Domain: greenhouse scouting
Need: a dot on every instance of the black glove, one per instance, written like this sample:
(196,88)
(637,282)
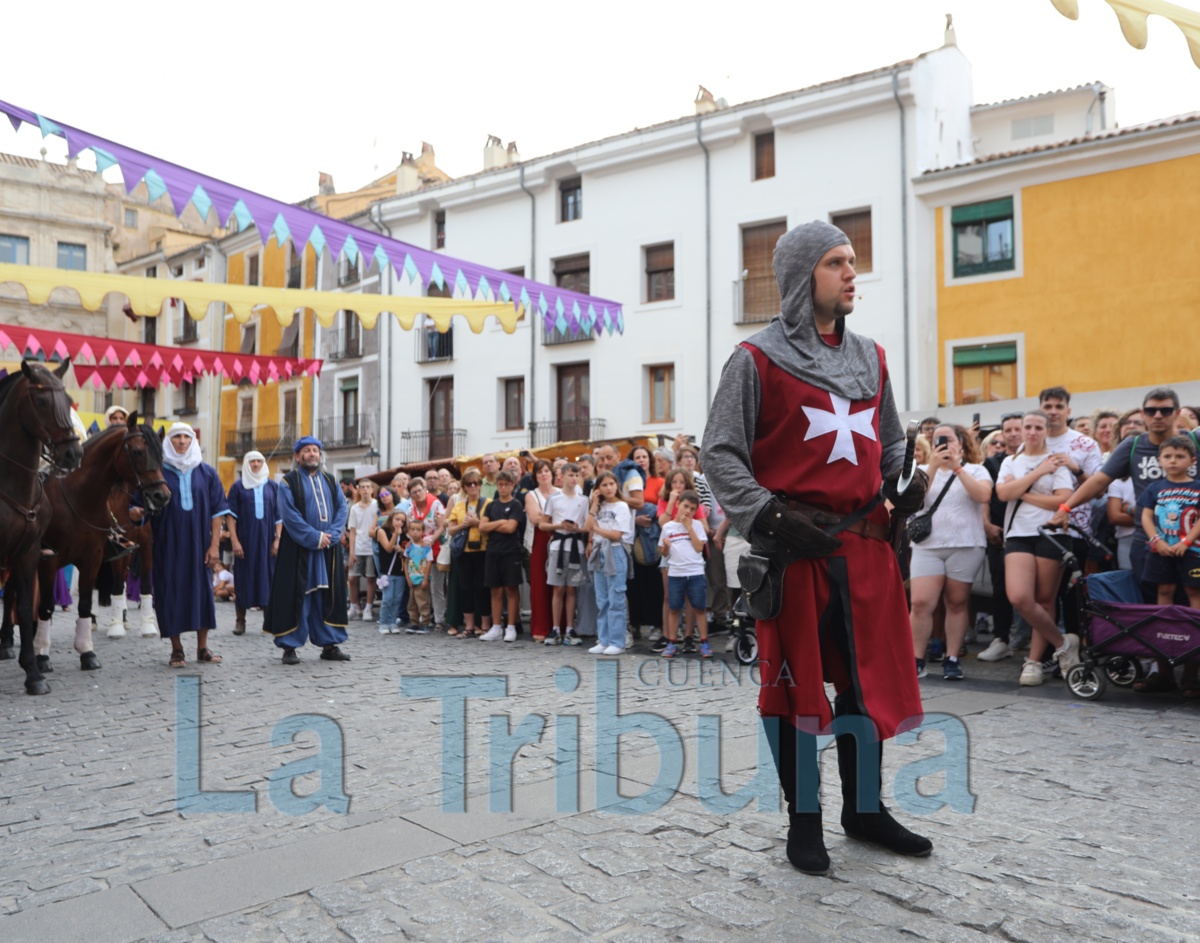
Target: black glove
(914,496)
(799,530)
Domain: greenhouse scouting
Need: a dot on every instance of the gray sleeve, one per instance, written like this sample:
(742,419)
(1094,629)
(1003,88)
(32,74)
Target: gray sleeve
(891,433)
(1117,465)
(728,440)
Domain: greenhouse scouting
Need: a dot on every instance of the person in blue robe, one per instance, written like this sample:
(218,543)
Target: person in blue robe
(187,536)
(254,528)
(308,595)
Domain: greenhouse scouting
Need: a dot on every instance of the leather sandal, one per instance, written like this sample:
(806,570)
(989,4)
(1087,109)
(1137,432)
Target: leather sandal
(204,654)
(178,659)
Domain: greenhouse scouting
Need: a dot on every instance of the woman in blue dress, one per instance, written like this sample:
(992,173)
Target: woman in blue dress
(187,537)
(254,526)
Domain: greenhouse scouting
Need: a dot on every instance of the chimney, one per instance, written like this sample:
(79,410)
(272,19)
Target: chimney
(514,156)
(493,153)
(705,103)
(951,39)
(408,178)
(325,185)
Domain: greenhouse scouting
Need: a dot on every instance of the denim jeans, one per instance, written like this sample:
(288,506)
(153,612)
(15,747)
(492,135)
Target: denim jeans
(610,601)
(391,600)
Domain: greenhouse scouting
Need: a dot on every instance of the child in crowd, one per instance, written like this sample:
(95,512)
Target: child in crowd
(504,523)
(390,536)
(566,514)
(418,564)
(1171,519)
(611,526)
(360,526)
(683,546)
(222,582)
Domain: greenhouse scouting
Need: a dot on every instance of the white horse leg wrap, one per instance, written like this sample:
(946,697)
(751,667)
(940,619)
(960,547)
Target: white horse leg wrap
(83,635)
(41,641)
(149,622)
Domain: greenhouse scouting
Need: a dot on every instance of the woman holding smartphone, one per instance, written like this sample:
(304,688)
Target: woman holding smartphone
(945,564)
(1035,483)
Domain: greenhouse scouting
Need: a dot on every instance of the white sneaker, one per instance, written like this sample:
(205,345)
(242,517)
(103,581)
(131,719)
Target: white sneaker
(597,649)
(613,650)
(997,650)
(1031,674)
(1068,655)
(354,613)
(510,633)
(385,630)
(494,634)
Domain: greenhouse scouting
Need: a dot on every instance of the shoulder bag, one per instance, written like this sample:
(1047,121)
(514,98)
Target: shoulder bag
(920,526)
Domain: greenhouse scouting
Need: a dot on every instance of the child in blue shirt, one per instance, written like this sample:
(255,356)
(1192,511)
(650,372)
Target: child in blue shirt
(418,561)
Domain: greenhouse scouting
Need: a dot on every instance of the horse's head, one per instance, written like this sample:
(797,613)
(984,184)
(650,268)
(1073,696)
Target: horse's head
(143,464)
(48,417)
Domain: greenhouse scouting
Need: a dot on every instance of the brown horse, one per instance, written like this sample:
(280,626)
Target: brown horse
(120,459)
(35,412)
(113,578)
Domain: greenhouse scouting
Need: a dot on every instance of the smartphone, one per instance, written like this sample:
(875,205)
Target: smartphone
(975,421)
(692,439)
(941,441)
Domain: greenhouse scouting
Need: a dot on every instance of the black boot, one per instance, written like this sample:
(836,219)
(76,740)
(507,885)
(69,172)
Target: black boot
(333,653)
(290,657)
(868,819)
(806,839)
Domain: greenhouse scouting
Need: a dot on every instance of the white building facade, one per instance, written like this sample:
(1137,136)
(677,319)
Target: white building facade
(677,222)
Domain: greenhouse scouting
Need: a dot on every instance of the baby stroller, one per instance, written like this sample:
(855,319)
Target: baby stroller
(745,647)
(1120,629)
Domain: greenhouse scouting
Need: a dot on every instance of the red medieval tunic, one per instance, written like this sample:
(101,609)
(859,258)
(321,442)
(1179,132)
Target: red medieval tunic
(822,449)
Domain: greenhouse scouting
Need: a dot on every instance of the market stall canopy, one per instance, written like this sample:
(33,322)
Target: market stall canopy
(564,310)
(105,363)
(146,297)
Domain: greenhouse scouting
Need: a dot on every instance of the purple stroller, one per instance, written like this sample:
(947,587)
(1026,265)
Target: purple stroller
(1121,629)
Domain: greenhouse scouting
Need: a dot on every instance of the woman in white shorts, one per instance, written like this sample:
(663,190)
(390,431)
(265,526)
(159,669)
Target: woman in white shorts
(945,564)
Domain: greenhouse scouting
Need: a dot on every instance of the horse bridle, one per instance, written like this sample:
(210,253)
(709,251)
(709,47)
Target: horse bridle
(51,444)
(116,532)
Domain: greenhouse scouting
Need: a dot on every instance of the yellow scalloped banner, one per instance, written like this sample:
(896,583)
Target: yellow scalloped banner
(146,297)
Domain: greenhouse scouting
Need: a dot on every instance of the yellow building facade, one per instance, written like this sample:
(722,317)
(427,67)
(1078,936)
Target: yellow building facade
(1072,265)
(267,417)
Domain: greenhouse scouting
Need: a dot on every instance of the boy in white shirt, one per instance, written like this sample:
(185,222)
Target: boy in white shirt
(566,515)
(360,526)
(683,546)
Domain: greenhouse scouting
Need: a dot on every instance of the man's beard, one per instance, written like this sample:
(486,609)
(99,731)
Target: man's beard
(310,464)
(843,308)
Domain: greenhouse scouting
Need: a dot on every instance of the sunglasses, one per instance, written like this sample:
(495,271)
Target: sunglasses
(1158,410)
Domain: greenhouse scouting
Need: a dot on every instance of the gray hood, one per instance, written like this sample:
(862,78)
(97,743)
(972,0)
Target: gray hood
(791,340)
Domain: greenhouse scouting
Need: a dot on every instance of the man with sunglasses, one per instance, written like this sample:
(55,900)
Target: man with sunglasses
(1135,457)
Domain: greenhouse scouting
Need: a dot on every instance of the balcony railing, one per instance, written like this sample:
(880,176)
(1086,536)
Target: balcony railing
(564,430)
(346,432)
(422,445)
(433,345)
(755,299)
(270,440)
(343,344)
(556,337)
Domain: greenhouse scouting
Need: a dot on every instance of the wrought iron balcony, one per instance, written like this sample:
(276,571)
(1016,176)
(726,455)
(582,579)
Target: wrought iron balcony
(343,344)
(564,430)
(556,337)
(755,299)
(422,445)
(433,346)
(346,432)
(270,440)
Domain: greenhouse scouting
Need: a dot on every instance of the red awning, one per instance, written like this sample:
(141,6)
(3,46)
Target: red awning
(105,363)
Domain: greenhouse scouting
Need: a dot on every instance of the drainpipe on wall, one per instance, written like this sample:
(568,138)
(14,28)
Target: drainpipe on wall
(707,276)
(385,414)
(904,233)
(529,314)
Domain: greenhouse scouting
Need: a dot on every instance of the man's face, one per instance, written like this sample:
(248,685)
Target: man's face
(256,465)
(503,489)
(1084,426)
(688,461)
(1012,434)
(1134,425)
(570,478)
(416,490)
(431,481)
(118,419)
(927,429)
(1175,461)
(833,282)
(490,465)
(1160,415)
(512,464)
(309,457)
(180,442)
(1057,411)
(606,458)
(366,491)
(444,478)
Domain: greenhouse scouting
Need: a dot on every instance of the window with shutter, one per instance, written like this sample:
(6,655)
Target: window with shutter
(573,273)
(759,293)
(857,227)
(571,198)
(660,272)
(764,155)
(983,238)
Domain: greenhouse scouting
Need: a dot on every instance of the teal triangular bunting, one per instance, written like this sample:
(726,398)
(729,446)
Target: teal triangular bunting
(154,185)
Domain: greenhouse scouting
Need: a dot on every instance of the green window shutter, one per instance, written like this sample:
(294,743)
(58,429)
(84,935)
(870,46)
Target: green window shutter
(977,212)
(352,384)
(985,353)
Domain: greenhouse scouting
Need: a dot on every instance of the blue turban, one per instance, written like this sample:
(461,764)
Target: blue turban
(307,440)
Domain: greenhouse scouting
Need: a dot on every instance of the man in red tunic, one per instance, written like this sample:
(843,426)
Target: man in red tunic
(802,433)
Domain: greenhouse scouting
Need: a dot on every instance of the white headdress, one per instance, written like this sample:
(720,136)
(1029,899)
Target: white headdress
(250,479)
(189,459)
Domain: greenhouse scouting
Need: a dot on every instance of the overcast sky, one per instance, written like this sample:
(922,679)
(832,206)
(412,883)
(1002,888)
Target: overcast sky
(267,95)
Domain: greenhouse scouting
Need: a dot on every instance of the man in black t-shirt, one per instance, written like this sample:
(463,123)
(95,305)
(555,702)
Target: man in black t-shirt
(993,523)
(504,523)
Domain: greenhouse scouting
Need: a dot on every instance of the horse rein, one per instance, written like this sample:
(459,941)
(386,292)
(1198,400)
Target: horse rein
(116,532)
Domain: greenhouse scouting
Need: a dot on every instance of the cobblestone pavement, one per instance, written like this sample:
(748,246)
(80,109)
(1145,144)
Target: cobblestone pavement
(1084,825)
